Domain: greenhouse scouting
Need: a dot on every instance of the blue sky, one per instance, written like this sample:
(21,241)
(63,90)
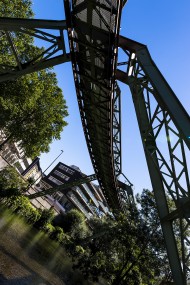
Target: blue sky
(164,27)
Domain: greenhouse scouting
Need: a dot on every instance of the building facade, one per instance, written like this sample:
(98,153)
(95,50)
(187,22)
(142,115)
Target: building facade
(87,197)
(33,171)
(14,154)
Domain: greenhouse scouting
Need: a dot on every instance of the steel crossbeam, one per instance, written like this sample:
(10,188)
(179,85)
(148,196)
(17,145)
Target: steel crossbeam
(24,62)
(164,127)
(63,187)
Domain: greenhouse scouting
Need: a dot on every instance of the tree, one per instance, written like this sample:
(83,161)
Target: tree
(149,213)
(73,223)
(32,108)
(46,217)
(121,255)
(127,249)
(32,111)
(22,42)
(11,183)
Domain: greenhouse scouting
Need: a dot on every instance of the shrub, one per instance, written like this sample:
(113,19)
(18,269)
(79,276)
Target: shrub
(18,203)
(57,234)
(45,218)
(73,223)
(66,240)
(34,216)
(49,229)
(69,220)
(21,204)
(10,179)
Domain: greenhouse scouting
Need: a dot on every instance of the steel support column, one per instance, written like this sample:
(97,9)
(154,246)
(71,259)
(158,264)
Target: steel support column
(164,127)
(156,179)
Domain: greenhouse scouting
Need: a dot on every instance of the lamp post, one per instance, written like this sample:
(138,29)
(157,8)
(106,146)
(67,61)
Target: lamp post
(46,169)
(52,162)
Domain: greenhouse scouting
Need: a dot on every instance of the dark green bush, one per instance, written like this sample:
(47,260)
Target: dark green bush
(33,216)
(10,179)
(73,223)
(45,218)
(49,229)
(21,205)
(57,234)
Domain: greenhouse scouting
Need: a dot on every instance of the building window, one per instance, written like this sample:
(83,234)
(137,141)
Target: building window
(66,169)
(57,196)
(44,185)
(90,194)
(56,181)
(81,193)
(61,175)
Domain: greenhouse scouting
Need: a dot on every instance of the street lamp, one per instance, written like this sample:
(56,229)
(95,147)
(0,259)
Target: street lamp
(52,162)
(46,169)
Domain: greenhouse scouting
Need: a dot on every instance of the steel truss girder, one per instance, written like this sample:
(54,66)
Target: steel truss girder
(53,55)
(93,44)
(63,187)
(161,116)
(117,130)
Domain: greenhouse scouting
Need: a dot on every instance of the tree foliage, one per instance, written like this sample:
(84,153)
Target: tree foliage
(22,42)
(11,182)
(127,249)
(149,214)
(32,111)
(74,224)
(32,108)
(46,217)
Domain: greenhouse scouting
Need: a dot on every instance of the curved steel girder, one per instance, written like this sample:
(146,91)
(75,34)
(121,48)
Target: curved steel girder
(93,35)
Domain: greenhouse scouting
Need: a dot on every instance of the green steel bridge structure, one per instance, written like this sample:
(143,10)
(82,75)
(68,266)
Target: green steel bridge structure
(93,34)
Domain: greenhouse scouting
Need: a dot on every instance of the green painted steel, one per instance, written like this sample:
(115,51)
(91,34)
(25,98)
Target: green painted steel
(163,92)
(161,115)
(93,28)
(16,24)
(93,33)
(34,27)
(63,187)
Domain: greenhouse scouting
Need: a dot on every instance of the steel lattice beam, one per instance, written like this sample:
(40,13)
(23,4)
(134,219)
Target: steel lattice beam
(22,64)
(164,127)
(93,29)
(117,131)
(63,187)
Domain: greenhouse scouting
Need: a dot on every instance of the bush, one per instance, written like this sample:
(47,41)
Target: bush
(73,223)
(21,205)
(69,220)
(45,218)
(59,235)
(10,179)
(49,229)
(33,216)
(17,203)
(66,240)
